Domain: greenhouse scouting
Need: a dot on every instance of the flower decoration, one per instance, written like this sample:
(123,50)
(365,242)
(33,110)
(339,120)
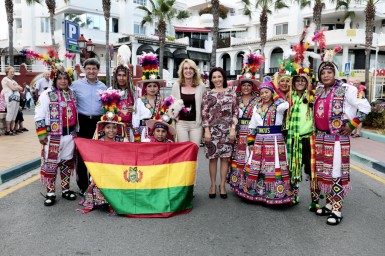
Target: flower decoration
(171,110)
(150,65)
(51,58)
(110,100)
(251,63)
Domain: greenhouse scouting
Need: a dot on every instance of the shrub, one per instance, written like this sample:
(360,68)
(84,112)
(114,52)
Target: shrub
(376,118)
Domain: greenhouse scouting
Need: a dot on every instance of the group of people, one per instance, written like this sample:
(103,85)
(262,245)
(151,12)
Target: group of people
(262,132)
(13,98)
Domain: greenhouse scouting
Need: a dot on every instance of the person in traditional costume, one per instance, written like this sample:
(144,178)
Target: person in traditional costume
(284,83)
(150,103)
(265,178)
(337,112)
(247,97)
(300,136)
(123,82)
(56,126)
(110,128)
(219,119)
(160,130)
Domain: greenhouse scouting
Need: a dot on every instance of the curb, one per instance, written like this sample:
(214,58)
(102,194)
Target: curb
(372,136)
(15,171)
(373,163)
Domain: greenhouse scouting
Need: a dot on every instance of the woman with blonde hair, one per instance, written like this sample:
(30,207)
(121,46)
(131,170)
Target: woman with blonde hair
(11,91)
(190,89)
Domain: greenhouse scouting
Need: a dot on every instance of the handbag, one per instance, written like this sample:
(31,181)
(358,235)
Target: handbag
(14,97)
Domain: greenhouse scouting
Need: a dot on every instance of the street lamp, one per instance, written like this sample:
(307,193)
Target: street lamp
(86,46)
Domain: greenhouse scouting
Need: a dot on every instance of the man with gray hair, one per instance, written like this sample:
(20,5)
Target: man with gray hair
(42,84)
(89,109)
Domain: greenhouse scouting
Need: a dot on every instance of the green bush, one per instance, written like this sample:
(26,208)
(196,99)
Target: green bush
(376,118)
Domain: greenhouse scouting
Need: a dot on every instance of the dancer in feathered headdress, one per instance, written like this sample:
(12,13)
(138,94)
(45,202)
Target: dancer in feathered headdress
(123,82)
(247,92)
(147,106)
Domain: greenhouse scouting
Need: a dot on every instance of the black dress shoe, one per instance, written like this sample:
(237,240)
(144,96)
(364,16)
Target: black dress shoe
(223,196)
(213,195)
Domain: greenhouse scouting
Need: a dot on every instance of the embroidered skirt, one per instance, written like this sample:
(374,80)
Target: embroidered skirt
(265,177)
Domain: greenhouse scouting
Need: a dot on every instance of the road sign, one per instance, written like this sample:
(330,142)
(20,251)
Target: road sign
(72,33)
(347,69)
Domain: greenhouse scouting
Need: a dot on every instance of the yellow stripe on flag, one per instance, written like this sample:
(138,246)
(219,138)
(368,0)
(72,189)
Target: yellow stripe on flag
(112,176)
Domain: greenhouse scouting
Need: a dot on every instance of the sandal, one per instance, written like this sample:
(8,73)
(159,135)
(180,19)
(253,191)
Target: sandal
(333,219)
(24,129)
(10,133)
(323,211)
(50,200)
(356,135)
(68,194)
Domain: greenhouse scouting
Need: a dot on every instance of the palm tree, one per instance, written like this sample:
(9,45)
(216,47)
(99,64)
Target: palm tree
(265,6)
(9,11)
(107,14)
(215,11)
(51,5)
(370,14)
(163,11)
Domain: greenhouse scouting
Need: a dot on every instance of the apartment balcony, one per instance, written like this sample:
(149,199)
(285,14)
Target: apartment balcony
(224,42)
(197,43)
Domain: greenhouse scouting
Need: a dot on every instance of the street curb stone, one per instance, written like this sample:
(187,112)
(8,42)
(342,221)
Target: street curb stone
(373,163)
(18,170)
(373,136)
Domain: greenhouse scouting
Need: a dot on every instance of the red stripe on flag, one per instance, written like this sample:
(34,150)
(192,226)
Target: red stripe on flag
(136,154)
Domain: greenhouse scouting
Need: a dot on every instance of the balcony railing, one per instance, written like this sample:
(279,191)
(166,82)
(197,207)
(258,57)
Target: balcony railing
(197,43)
(223,42)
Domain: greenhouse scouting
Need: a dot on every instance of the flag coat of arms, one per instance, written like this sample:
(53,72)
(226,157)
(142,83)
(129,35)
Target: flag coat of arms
(142,179)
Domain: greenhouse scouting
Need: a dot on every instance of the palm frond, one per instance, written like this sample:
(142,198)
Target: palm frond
(183,15)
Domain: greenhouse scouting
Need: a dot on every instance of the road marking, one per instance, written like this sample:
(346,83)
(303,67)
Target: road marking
(373,176)
(18,186)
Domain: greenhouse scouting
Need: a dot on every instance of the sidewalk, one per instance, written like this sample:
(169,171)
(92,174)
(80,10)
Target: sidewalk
(369,149)
(21,153)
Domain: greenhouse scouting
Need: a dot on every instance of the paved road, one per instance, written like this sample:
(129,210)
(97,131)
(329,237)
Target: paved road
(214,227)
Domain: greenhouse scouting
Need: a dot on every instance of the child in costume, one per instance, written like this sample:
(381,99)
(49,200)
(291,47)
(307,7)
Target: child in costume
(147,106)
(110,129)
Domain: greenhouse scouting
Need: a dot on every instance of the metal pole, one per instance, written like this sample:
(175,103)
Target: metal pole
(374,73)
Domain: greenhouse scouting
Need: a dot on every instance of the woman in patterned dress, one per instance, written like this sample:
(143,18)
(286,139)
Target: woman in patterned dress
(247,97)
(219,119)
(266,178)
(146,107)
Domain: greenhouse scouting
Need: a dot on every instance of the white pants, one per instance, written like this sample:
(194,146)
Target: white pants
(12,109)
(337,161)
(189,131)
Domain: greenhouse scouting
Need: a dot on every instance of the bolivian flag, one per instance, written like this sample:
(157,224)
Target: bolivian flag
(142,179)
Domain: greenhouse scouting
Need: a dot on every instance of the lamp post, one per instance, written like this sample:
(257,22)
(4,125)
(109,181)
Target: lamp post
(86,46)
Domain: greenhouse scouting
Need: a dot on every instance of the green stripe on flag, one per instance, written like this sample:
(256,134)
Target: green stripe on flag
(149,201)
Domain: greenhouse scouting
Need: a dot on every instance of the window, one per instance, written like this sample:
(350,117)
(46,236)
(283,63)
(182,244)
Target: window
(114,25)
(281,29)
(141,2)
(18,25)
(44,25)
(139,30)
(197,40)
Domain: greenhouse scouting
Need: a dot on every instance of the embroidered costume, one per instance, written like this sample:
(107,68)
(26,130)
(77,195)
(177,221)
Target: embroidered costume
(245,111)
(56,120)
(265,177)
(93,197)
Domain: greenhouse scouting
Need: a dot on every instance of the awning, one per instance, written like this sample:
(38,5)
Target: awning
(144,48)
(232,29)
(189,29)
(166,53)
(180,54)
(199,56)
(5,51)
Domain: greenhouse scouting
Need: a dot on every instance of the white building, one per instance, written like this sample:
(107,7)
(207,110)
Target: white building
(238,33)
